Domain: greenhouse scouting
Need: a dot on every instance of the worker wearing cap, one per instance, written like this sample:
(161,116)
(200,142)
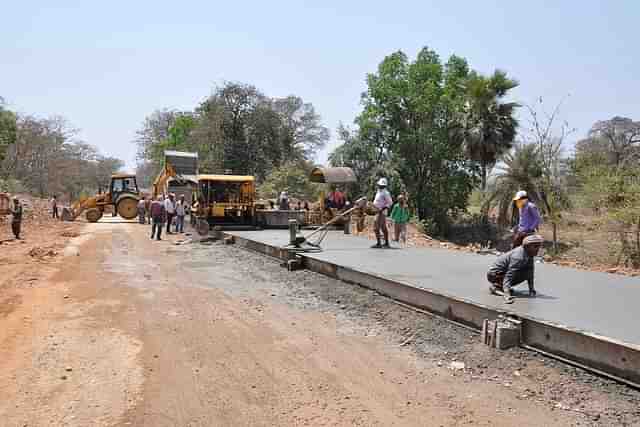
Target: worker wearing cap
(529,218)
(382,202)
(16,218)
(515,267)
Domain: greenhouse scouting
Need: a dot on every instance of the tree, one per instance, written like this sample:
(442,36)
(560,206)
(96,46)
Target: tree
(549,136)
(622,135)
(615,193)
(416,109)
(491,125)
(8,129)
(47,159)
(302,132)
(291,176)
(155,130)
(521,169)
(237,128)
(367,160)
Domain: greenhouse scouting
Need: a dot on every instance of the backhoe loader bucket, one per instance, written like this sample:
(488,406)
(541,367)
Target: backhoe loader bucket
(68,214)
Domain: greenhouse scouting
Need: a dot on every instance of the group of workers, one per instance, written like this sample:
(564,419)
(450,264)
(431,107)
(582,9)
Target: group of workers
(163,210)
(383,204)
(507,271)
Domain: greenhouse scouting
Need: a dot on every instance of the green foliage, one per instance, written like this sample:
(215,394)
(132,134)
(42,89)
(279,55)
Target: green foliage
(491,125)
(237,128)
(293,177)
(414,112)
(521,170)
(46,159)
(8,130)
(11,185)
(368,161)
(615,193)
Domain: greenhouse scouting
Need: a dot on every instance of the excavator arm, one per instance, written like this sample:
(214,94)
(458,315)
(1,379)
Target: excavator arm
(160,183)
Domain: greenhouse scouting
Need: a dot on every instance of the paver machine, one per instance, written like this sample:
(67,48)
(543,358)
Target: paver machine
(123,195)
(226,201)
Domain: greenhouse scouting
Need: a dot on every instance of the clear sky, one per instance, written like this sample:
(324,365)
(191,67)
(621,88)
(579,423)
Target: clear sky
(106,65)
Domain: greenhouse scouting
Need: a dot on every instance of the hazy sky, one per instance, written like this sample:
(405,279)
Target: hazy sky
(106,65)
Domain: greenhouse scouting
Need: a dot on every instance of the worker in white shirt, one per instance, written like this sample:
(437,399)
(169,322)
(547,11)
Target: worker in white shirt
(382,203)
(180,212)
(170,208)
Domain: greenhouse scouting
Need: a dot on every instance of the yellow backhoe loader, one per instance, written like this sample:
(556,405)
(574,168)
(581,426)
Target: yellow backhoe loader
(123,195)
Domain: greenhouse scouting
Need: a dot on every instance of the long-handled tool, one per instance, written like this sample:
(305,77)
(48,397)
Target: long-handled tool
(312,241)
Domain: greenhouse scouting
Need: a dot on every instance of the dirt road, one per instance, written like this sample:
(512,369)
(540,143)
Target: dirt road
(126,331)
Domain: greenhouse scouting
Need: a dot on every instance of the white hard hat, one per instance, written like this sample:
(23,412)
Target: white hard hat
(382,182)
(521,195)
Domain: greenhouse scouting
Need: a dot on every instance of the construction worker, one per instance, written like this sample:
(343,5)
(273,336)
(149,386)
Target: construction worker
(180,214)
(141,210)
(16,218)
(54,207)
(382,202)
(529,218)
(147,209)
(515,267)
(400,216)
(170,209)
(158,214)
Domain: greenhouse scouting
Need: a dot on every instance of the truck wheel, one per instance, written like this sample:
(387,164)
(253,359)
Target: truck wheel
(93,215)
(128,208)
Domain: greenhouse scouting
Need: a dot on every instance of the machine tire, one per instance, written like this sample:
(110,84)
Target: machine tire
(93,215)
(202,227)
(127,207)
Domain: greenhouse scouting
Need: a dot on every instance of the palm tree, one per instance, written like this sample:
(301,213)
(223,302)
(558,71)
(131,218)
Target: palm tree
(491,126)
(521,169)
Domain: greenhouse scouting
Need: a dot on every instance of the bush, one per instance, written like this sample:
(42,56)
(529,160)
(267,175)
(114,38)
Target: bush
(12,186)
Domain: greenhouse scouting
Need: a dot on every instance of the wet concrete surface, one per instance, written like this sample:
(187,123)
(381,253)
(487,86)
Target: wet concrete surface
(599,303)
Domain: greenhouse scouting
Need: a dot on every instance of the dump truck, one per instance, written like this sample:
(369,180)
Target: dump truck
(123,195)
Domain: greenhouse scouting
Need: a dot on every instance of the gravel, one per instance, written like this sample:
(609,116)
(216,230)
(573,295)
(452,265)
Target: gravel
(361,311)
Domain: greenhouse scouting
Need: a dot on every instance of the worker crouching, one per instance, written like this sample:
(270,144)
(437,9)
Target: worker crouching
(515,267)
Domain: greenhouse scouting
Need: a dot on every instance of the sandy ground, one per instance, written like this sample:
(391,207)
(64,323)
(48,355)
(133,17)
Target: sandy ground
(119,330)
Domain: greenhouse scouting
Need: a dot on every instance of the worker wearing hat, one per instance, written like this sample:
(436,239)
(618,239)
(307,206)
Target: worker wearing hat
(16,220)
(515,267)
(382,203)
(529,218)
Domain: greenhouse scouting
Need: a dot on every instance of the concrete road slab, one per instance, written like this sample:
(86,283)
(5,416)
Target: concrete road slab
(597,303)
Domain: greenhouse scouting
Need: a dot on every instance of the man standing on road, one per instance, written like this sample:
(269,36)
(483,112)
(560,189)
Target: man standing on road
(16,220)
(515,267)
(382,202)
(157,218)
(529,218)
(141,210)
(170,208)
(180,214)
(54,207)
(147,209)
